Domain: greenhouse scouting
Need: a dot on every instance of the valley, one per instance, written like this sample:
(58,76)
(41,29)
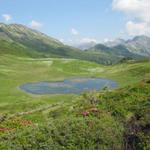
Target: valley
(15,71)
(23,112)
(100,119)
(75,75)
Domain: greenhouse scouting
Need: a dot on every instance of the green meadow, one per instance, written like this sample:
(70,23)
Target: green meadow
(15,71)
(107,111)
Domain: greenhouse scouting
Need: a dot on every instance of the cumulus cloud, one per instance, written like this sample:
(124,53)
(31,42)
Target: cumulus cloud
(138,11)
(35,24)
(107,40)
(137,8)
(88,40)
(7,17)
(85,43)
(82,42)
(74,31)
(134,29)
(62,40)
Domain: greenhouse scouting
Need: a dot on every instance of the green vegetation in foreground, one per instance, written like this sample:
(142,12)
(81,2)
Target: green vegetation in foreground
(35,122)
(118,119)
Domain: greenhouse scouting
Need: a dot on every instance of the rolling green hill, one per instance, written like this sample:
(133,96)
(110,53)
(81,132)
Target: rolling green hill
(36,122)
(109,119)
(15,71)
(20,40)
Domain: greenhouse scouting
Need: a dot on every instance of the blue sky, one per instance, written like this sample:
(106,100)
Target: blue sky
(72,21)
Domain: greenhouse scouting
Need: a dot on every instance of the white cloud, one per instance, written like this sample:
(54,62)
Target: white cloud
(139,9)
(7,17)
(74,31)
(134,28)
(80,41)
(62,40)
(107,40)
(139,13)
(35,24)
(88,40)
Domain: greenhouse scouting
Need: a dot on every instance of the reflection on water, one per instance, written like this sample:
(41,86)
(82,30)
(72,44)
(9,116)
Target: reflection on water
(72,85)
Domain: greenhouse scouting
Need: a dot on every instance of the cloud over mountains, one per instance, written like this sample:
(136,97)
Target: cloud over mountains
(138,14)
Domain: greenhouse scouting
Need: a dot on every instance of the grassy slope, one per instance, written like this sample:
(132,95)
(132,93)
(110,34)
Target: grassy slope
(15,71)
(115,118)
(18,49)
(114,54)
(60,115)
(22,41)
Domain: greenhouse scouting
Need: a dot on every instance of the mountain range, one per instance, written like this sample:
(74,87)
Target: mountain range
(20,40)
(138,45)
(136,48)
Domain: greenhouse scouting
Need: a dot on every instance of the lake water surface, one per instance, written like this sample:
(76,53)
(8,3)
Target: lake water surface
(71,85)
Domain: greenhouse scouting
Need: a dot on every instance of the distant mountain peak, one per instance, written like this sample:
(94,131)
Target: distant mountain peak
(141,37)
(16,38)
(115,42)
(23,41)
(23,30)
(2,25)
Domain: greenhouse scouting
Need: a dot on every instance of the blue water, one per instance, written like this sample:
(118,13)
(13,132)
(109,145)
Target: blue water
(72,85)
